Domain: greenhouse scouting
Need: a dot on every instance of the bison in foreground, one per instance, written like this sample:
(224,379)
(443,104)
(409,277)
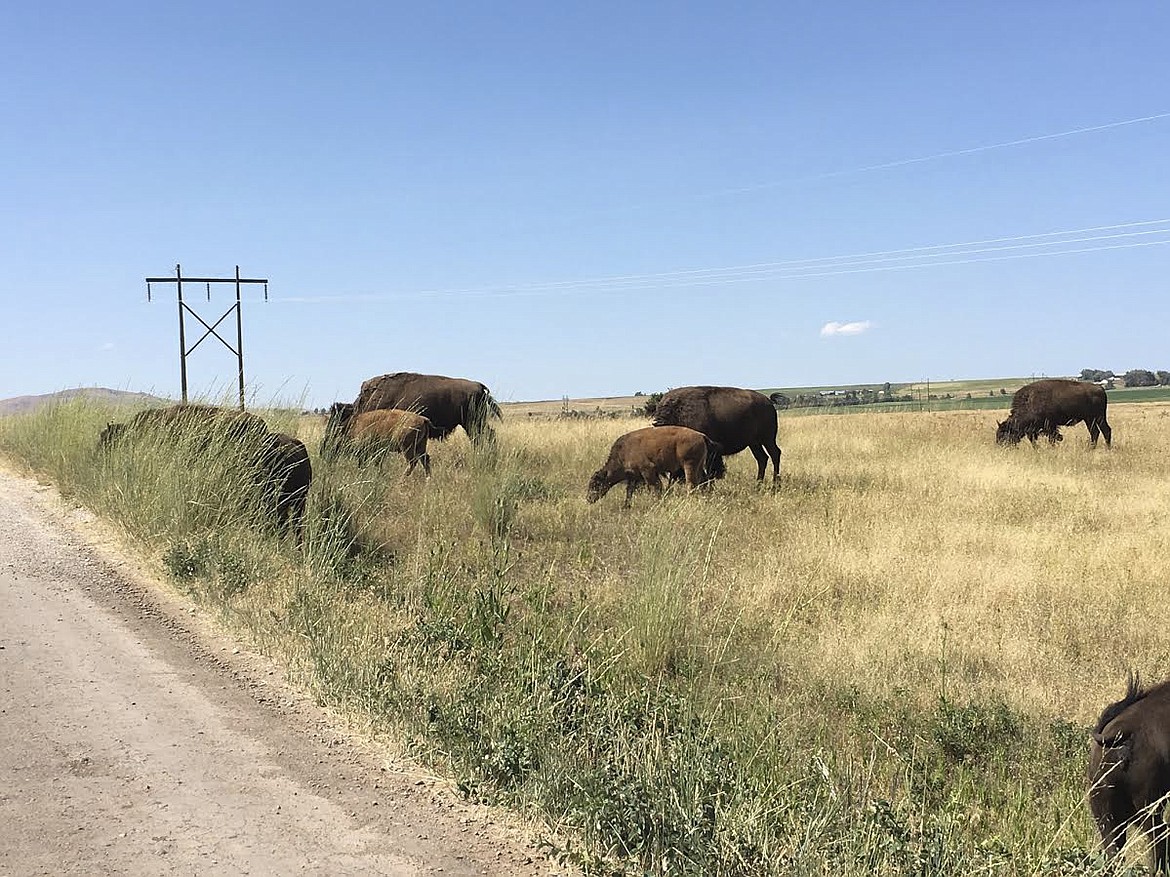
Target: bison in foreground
(284,475)
(732,417)
(196,422)
(1129,769)
(1045,406)
(274,464)
(446,402)
(645,455)
(375,433)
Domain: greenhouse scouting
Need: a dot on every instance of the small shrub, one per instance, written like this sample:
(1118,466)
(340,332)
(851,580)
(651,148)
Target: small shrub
(494,504)
(188,560)
(967,732)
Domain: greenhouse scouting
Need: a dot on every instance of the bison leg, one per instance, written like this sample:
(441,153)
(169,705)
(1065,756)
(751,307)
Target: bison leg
(1155,829)
(426,461)
(1113,813)
(773,450)
(692,474)
(654,481)
(1099,427)
(761,460)
(631,486)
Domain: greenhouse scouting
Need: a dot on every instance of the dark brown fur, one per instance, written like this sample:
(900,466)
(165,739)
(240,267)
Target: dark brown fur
(734,418)
(282,470)
(644,456)
(201,422)
(446,402)
(1045,406)
(1129,769)
(285,476)
(374,433)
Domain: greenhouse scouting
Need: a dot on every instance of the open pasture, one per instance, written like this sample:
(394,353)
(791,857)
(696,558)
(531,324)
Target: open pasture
(885,666)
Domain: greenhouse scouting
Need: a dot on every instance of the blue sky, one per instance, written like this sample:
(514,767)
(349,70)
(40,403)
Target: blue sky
(453,188)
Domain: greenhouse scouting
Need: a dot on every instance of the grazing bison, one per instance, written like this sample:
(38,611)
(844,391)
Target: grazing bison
(447,402)
(733,418)
(276,463)
(1045,406)
(285,475)
(373,433)
(1129,769)
(201,422)
(645,455)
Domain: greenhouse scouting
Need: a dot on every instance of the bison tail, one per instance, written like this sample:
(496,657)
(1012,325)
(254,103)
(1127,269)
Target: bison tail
(1133,693)
(493,407)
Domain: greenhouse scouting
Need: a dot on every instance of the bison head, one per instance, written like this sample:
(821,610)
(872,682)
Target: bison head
(598,486)
(1008,432)
(336,426)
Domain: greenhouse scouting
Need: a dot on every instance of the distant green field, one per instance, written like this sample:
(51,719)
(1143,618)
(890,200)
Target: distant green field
(985,394)
(1140,394)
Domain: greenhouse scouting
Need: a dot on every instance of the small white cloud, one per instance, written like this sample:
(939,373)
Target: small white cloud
(109,345)
(855,328)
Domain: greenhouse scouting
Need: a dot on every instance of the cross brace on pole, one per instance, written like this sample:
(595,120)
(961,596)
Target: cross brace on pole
(184,309)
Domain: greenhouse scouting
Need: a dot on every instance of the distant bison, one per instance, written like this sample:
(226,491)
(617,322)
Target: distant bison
(1129,769)
(644,456)
(373,433)
(197,422)
(1045,406)
(285,475)
(446,402)
(733,418)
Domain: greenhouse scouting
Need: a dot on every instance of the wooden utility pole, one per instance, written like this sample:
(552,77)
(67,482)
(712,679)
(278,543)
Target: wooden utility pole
(184,309)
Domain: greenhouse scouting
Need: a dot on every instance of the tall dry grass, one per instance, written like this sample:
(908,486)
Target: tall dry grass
(885,666)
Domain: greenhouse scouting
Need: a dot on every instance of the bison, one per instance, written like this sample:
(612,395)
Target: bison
(447,402)
(1045,406)
(284,475)
(1129,769)
(373,433)
(274,463)
(645,455)
(193,421)
(732,417)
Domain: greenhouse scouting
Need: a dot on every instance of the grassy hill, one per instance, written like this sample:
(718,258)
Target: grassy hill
(99,395)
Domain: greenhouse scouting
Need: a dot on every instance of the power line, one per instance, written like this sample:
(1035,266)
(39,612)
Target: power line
(795,269)
(953,153)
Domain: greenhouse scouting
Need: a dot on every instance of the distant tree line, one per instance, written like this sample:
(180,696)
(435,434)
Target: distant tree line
(1135,377)
(835,398)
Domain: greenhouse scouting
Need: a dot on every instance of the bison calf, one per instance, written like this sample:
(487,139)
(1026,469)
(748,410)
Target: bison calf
(1129,769)
(374,433)
(644,456)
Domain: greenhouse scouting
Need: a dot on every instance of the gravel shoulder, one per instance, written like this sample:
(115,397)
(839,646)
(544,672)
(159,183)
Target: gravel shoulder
(135,738)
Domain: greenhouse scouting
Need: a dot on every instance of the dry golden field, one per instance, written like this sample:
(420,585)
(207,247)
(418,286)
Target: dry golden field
(893,655)
(907,550)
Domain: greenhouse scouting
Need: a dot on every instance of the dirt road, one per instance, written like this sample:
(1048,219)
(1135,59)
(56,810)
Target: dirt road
(135,740)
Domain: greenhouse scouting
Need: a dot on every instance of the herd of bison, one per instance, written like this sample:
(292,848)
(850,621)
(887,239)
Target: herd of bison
(694,429)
